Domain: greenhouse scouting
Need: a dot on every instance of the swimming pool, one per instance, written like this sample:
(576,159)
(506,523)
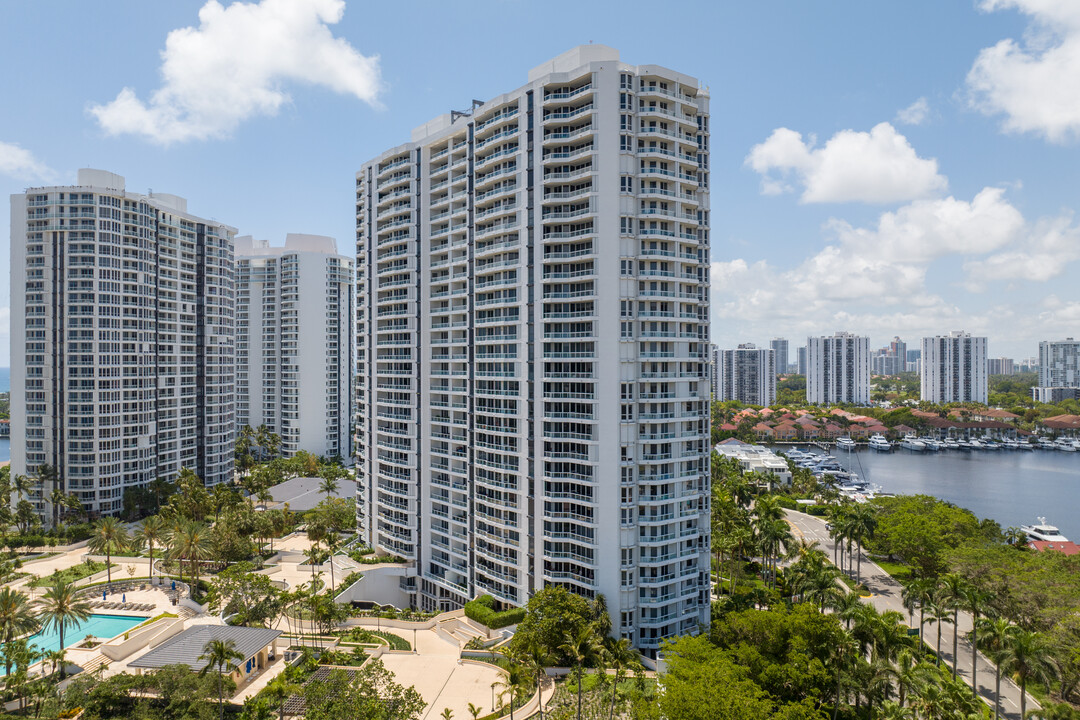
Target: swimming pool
(101,626)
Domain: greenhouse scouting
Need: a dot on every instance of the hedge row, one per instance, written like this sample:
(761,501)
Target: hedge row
(482,610)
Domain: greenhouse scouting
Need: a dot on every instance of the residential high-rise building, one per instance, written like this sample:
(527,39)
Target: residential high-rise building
(890,360)
(122,342)
(748,374)
(1059,363)
(524,268)
(1001,366)
(294,326)
(781,354)
(714,371)
(802,360)
(838,369)
(954,368)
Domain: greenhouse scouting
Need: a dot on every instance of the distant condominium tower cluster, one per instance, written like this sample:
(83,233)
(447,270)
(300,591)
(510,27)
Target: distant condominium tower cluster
(141,340)
(838,369)
(294,325)
(890,360)
(1000,366)
(748,374)
(1059,371)
(123,339)
(533,289)
(954,368)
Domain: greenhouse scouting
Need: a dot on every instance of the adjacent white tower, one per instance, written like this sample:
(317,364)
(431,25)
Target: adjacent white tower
(838,369)
(294,324)
(532,279)
(748,374)
(122,312)
(781,354)
(954,368)
(1059,363)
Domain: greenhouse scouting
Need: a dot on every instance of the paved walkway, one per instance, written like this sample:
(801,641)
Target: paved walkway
(886,596)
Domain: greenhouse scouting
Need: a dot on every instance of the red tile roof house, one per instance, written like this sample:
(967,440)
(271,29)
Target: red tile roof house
(995,414)
(904,430)
(763,431)
(786,431)
(728,427)
(1065,424)
(875,427)
(831,431)
(808,431)
(1067,548)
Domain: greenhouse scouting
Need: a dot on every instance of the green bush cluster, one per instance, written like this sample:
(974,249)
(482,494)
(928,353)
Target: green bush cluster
(482,610)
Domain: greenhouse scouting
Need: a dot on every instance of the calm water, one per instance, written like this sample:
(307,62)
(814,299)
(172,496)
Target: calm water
(1013,488)
(100,626)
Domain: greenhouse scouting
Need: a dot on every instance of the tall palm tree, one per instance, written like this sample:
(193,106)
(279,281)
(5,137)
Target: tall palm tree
(842,654)
(918,592)
(151,532)
(516,676)
(16,618)
(536,657)
(475,710)
(191,542)
(910,675)
(953,587)
(220,654)
(61,608)
(622,657)
(581,647)
(995,636)
(1028,656)
(846,605)
(109,537)
(51,474)
(863,524)
(328,486)
(974,601)
(940,615)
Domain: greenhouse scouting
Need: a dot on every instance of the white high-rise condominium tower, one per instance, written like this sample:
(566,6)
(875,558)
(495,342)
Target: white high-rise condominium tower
(954,368)
(714,371)
(1059,363)
(532,279)
(294,326)
(122,312)
(748,374)
(838,369)
(780,353)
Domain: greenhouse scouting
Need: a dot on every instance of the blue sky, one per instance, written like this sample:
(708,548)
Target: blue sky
(886,168)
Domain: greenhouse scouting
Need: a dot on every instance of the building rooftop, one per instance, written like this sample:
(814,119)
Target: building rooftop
(302,493)
(186,647)
(1068,548)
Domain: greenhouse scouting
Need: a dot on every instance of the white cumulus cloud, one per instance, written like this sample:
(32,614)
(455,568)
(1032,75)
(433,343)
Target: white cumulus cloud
(914,114)
(235,64)
(19,163)
(1033,83)
(1043,252)
(877,167)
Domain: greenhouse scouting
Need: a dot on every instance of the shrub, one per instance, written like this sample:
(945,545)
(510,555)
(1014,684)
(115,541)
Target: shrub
(482,610)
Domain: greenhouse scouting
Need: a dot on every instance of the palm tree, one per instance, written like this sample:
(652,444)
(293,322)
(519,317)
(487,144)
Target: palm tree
(51,474)
(621,656)
(974,601)
(995,636)
(842,654)
(536,657)
(581,647)
(447,713)
(16,618)
(475,711)
(191,542)
(1028,656)
(918,592)
(863,523)
(328,486)
(910,674)
(109,537)
(516,675)
(279,691)
(953,587)
(846,605)
(220,654)
(151,531)
(939,614)
(61,608)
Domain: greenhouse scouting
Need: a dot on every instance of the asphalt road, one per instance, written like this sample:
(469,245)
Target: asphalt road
(886,596)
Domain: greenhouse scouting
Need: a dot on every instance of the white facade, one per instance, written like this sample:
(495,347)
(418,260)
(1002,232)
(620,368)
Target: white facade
(532,281)
(748,374)
(1059,363)
(294,326)
(954,368)
(781,353)
(122,318)
(1001,366)
(838,369)
(714,372)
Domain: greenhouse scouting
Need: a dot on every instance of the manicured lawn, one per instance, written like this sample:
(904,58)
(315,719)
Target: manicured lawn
(76,572)
(899,572)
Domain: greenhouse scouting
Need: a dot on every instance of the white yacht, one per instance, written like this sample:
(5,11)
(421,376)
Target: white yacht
(951,444)
(1065,445)
(878,442)
(1042,531)
(845,443)
(930,443)
(912,443)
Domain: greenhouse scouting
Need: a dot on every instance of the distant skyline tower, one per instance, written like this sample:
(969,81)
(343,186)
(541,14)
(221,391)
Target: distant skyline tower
(954,368)
(838,369)
(748,374)
(781,354)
